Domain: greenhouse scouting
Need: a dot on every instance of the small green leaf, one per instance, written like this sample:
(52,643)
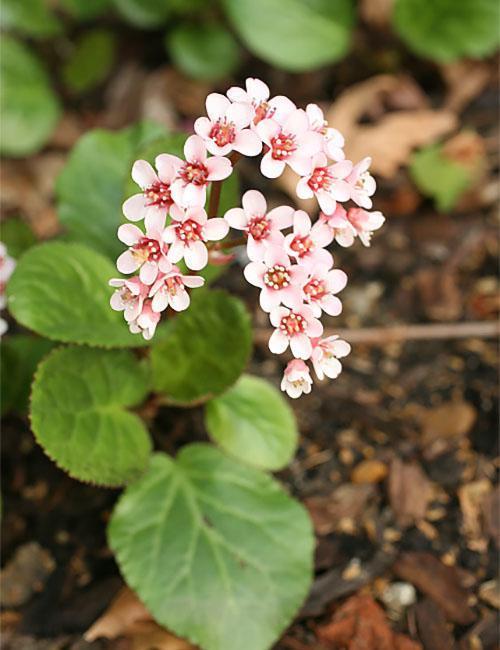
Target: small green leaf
(253,422)
(30,17)
(29,110)
(21,353)
(203,51)
(91,60)
(85,9)
(17,236)
(445,30)
(439,177)
(60,291)
(233,550)
(96,181)
(205,348)
(293,34)
(79,417)
(147,14)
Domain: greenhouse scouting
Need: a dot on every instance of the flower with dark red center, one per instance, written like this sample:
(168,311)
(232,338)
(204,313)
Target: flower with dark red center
(262,228)
(322,283)
(326,354)
(145,250)
(306,242)
(256,96)
(129,296)
(170,288)
(295,328)
(326,182)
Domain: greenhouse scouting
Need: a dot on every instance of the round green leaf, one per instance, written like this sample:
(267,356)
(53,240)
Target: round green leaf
(29,110)
(78,414)
(91,60)
(217,551)
(253,422)
(144,13)
(445,30)
(17,236)
(204,51)
(85,9)
(60,291)
(96,180)
(293,34)
(204,350)
(30,17)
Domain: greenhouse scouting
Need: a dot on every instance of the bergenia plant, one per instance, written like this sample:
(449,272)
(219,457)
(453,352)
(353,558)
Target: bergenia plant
(212,544)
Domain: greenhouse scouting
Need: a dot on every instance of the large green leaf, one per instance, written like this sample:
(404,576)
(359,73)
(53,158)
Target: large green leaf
(17,236)
(79,417)
(204,350)
(445,30)
(85,9)
(60,290)
(253,422)
(29,110)
(217,551)
(96,180)
(144,13)
(31,17)
(90,61)
(295,35)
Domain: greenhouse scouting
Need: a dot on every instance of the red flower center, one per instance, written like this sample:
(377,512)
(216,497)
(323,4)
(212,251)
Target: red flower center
(259,228)
(277,277)
(320,179)
(223,133)
(147,250)
(262,111)
(174,284)
(189,231)
(159,194)
(194,172)
(315,289)
(293,324)
(283,146)
(302,245)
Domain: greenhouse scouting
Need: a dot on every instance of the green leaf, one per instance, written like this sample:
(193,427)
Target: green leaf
(295,35)
(17,236)
(79,417)
(96,180)
(445,30)
(217,551)
(205,348)
(29,110)
(85,9)
(147,14)
(203,51)
(60,291)
(91,60)
(29,17)
(253,422)
(439,177)
(21,353)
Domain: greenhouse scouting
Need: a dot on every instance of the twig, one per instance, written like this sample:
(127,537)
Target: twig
(213,205)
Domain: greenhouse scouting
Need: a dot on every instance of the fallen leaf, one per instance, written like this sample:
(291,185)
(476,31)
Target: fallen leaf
(127,617)
(472,497)
(345,502)
(440,582)
(25,574)
(409,492)
(432,627)
(465,80)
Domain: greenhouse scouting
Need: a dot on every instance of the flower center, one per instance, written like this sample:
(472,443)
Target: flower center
(315,289)
(262,111)
(293,324)
(223,133)
(277,277)
(189,231)
(174,285)
(194,172)
(302,245)
(259,228)
(283,146)
(320,179)
(147,250)
(159,194)
(362,180)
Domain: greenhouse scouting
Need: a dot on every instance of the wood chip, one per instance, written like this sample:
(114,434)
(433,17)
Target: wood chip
(410,492)
(345,502)
(432,627)
(472,497)
(369,471)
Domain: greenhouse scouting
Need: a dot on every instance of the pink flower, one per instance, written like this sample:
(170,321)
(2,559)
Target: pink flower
(129,296)
(333,140)
(320,288)
(341,228)
(188,233)
(224,128)
(326,355)
(362,183)
(306,242)
(294,328)
(326,182)
(155,199)
(296,379)
(189,189)
(262,228)
(257,96)
(170,289)
(7,266)
(146,321)
(145,250)
(364,223)
(280,281)
(293,143)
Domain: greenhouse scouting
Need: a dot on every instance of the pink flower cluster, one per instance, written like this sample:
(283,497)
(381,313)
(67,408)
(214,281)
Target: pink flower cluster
(7,266)
(288,257)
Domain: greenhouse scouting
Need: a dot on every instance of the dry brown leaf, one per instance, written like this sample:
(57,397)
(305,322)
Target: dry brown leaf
(409,492)
(347,502)
(127,617)
(465,81)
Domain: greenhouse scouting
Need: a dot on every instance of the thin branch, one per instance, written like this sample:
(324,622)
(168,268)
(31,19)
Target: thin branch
(213,205)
